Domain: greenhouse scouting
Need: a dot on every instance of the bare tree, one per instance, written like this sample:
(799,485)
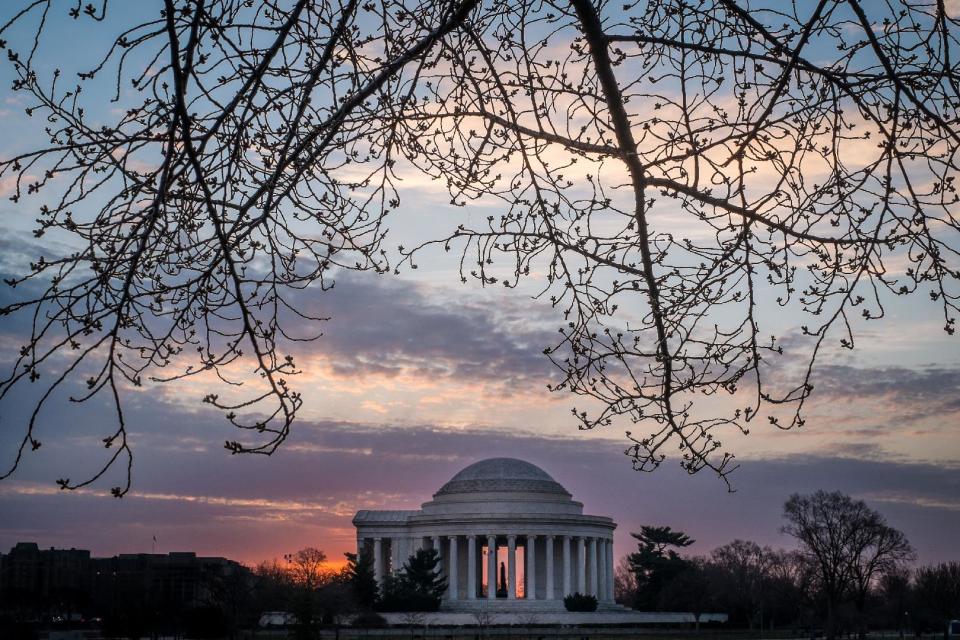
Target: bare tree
(850,544)
(624,582)
(938,592)
(896,593)
(671,176)
(880,550)
(308,573)
(693,590)
(789,590)
(744,570)
(273,586)
(308,567)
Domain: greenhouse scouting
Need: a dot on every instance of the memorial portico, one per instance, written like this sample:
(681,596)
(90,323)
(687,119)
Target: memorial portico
(482,521)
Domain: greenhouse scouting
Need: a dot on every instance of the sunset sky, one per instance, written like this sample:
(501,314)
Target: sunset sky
(417,376)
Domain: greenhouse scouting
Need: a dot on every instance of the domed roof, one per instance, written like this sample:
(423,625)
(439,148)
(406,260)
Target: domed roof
(502,474)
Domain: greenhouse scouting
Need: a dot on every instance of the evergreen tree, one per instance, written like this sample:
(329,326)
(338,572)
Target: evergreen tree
(362,579)
(656,563)
(418,587)
(423,574)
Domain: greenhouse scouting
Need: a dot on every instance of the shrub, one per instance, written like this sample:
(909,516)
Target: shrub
(408,601)
(580,602)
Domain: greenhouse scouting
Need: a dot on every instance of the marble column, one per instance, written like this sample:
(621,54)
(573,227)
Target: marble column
(581,565)
(452,586)
(395,561)
(550,593)
(512,567)
(530,553)
(566,566)
(471,567)
(593,562)
(611,572)
(491,567)
(378,560)
(602,570)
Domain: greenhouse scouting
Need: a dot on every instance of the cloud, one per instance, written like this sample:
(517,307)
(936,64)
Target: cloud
(399,352)
(393,349)
(389,327)
(331,507)
(933,383)
(892,412)
(255,507)
(386,327)
(18,249)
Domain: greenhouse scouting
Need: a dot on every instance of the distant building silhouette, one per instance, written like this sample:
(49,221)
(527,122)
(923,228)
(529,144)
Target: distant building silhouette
(70,580)
(45,573)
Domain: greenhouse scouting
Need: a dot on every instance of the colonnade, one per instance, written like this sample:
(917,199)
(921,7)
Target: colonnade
(566,563)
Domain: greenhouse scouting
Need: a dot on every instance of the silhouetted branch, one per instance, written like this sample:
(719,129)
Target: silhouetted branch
(666,171)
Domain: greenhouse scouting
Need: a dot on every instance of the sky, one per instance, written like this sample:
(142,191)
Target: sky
(417,376)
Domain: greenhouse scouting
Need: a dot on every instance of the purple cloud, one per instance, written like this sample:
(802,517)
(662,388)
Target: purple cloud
(253,507)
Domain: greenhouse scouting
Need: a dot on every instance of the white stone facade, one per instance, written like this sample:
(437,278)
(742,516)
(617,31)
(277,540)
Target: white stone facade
(499,503)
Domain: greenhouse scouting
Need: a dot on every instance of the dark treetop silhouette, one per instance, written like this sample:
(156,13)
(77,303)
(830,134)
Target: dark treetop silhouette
(848,545)
(662,168)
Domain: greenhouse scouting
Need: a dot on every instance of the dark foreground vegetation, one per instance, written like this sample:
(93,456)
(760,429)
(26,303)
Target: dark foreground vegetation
(851,575)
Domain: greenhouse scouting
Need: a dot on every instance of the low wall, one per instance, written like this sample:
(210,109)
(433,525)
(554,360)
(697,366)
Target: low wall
(564,618)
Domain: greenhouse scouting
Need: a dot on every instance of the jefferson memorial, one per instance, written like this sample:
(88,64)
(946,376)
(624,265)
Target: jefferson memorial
(506,519)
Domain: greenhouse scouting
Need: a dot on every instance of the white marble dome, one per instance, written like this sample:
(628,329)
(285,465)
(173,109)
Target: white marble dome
(502,474)
(504,486)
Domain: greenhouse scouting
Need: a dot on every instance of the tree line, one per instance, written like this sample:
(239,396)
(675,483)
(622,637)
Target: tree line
(850,573)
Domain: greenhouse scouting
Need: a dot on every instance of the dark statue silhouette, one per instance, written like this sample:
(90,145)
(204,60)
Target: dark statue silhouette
(502,589)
